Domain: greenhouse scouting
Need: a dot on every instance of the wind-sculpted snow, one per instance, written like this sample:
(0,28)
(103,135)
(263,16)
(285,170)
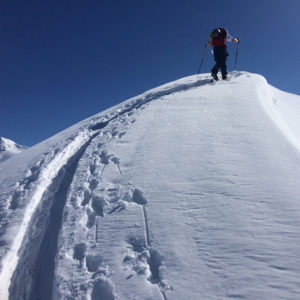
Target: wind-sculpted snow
(187,191)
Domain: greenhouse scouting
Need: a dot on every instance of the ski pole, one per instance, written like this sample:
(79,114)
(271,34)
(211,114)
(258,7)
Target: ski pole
(236,54)
(204,53)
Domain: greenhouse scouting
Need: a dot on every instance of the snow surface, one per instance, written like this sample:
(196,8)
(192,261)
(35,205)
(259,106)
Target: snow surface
(188,191)
(9,148)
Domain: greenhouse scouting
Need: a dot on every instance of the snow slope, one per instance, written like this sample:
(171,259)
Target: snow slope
(188,191)
(9,148)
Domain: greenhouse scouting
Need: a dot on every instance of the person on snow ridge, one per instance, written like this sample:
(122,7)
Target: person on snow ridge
(218,39)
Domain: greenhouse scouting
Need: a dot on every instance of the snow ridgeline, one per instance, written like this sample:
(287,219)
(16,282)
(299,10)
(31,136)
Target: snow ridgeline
(31,192)
(109,194)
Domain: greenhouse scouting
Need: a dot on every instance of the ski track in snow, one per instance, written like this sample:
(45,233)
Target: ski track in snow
(100,201)
(44,178)
(87,180)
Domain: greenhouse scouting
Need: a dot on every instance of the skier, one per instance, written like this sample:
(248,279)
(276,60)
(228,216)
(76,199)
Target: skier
(218,39)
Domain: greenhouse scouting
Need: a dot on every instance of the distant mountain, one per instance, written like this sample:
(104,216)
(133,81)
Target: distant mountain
(188,191)
(9,148)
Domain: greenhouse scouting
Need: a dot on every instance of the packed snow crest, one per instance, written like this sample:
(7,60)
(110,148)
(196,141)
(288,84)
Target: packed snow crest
(188,191)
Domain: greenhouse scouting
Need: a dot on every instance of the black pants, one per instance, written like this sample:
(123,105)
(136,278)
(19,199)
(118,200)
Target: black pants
(220,55)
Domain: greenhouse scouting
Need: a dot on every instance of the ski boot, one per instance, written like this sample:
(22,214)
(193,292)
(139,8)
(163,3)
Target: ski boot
(224,76)
(214,76)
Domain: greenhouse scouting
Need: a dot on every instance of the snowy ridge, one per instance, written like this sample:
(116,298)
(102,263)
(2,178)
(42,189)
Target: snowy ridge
(192,194)
(42,176)
(137,102)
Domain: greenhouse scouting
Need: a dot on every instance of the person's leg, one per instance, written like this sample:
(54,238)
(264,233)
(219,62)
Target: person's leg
(215,69)
(224,69)
(222,61)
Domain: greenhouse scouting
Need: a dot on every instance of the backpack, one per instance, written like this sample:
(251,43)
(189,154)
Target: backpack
(218,33)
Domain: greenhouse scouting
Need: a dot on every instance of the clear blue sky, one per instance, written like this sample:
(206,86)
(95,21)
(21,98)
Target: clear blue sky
(63,61)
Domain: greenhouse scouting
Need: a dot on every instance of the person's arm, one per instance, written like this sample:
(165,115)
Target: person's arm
(208,44)
(229,38)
